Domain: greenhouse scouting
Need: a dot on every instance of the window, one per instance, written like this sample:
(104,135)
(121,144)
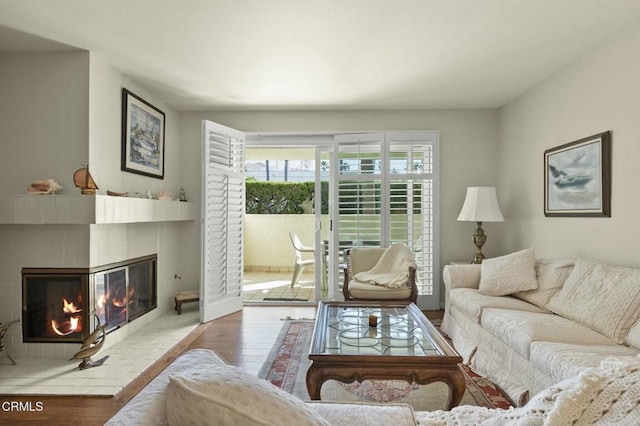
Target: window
(387,193)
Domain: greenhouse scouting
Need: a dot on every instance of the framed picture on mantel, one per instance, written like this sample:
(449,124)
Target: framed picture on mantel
(142,136)
(577,178)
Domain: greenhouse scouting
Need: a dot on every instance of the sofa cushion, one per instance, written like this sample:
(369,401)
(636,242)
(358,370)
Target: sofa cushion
(360,290)
(508,274)
(564,360)
(362,259)
(227,395)
(519,329)
(470,302)
(148,406)
(551,275)
(364,414)
(603,297)
(633,338)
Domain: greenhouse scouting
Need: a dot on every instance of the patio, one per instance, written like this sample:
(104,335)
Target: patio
(275,287)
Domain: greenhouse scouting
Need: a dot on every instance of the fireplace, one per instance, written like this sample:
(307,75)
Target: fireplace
(61,304)
(123,293)
(55,305)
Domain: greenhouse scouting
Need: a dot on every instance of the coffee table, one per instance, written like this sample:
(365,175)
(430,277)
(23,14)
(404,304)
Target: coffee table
(404,345)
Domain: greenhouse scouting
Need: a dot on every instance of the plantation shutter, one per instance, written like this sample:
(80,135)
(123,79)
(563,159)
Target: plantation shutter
(387,193)
(222,218)
(412,206)
(359,193)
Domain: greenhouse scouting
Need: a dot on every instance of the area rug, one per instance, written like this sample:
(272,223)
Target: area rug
(288,361)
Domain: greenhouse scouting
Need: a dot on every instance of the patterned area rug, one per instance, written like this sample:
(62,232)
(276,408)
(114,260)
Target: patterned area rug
(288,361)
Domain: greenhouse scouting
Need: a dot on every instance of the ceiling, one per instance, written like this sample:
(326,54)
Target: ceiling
(324,54)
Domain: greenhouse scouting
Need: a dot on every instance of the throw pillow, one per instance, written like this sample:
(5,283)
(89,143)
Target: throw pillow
(551,275)
(500,276)
(633,338)
(603,297)
(225,395)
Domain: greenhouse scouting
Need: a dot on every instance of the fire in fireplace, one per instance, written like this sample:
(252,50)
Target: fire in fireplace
(58,303)
(54,305)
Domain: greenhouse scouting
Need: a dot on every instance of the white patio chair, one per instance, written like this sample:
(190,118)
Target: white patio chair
(301,262)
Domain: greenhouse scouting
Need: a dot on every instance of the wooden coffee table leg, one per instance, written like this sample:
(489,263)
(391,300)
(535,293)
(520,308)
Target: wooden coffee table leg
(456,386)
(314,382)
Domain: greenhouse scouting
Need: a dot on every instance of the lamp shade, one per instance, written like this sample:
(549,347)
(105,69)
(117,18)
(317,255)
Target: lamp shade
(481,205)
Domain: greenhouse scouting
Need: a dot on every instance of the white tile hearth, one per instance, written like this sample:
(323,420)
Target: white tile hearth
(127,360)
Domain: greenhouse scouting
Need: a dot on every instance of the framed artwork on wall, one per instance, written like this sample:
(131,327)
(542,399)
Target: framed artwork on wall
(577,178)
(142,136)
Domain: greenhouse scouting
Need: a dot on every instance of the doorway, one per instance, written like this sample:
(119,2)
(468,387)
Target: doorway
(286,220)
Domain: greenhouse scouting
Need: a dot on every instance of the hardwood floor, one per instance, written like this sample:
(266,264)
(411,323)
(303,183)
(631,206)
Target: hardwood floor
(242,339)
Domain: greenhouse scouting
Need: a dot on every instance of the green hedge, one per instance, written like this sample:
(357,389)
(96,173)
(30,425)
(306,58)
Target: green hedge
(282,197)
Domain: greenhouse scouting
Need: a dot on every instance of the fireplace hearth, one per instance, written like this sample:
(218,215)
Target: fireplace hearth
(58,303)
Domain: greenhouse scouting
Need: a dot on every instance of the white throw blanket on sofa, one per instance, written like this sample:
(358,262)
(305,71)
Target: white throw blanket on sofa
(392,269)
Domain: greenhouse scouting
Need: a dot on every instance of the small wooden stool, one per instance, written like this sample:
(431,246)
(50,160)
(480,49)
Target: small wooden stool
(186,297)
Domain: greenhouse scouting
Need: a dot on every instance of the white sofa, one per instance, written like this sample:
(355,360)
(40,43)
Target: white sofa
(527,335)
(199,388)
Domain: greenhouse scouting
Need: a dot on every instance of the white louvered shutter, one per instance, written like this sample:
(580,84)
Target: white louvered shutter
(413,183)
(222,217)
(386,186)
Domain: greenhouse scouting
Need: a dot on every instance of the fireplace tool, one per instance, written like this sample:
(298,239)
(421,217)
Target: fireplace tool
(91,346)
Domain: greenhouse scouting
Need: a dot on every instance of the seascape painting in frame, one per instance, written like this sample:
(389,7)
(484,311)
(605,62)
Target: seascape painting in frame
(577,178)
(142,136)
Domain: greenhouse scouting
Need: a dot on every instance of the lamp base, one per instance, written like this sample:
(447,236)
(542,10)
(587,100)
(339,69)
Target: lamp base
(478,240)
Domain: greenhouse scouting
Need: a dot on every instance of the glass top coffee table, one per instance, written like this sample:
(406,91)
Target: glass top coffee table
(360,340)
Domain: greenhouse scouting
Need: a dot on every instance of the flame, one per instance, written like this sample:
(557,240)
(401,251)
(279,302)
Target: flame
(69,308)
(71,325)
(119,299)
(100,301)
(67,327)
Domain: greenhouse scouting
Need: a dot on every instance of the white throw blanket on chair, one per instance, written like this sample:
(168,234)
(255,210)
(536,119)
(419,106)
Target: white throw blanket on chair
(392,269)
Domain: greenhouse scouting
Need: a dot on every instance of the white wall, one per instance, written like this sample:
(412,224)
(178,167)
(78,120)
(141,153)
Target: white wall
(468,157)
(597,93)
(58,111)
(105,132)
(44,118)
(124,242)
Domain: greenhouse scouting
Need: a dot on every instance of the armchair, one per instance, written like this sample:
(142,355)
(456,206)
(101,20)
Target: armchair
(364,259)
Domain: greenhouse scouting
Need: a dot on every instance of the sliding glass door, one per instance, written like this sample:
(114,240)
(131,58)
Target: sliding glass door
(291,173)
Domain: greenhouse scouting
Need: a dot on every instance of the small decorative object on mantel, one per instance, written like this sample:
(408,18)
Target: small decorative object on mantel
(146,195)
(91,346)
(117,194)
(183,195)
(46,186)
(83,180)
(577,178)
(163,196)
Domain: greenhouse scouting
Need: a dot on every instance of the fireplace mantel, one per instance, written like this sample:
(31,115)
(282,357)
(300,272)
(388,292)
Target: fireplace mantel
(90,210)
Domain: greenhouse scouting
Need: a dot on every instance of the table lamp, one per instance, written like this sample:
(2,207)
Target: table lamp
(480,205)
